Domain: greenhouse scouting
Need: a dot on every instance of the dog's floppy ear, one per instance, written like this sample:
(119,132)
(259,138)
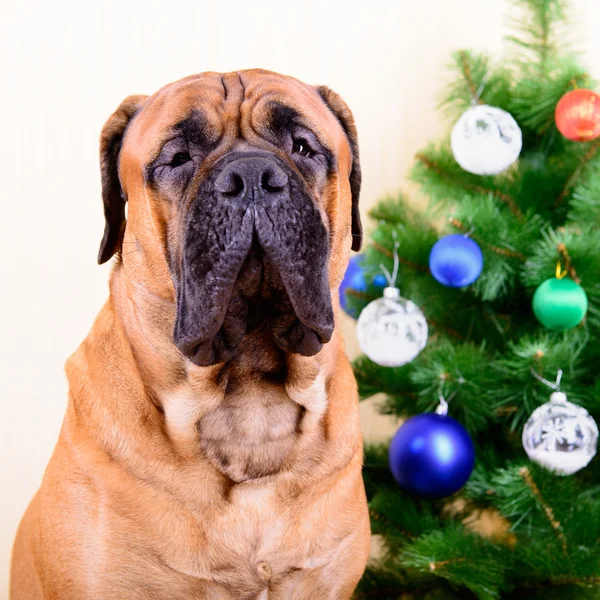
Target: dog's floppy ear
(340,109)
(112,193)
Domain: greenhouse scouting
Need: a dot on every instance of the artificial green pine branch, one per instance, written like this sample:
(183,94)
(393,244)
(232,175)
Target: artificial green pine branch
(534,98)
(443,180)
(554,590)
(383,584)
(385,580)
(399,518)
(486,345)
(518,393)
(446,368)
(474,81)
(373,378)
(538,31)
(585,203)
(461,558)
(576,247)
(376,471)
(584,163)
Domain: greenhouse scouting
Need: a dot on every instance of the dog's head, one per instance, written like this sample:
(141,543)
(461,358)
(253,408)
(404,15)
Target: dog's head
(242,190)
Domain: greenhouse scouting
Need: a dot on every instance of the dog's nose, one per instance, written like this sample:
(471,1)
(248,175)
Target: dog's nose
(257,176)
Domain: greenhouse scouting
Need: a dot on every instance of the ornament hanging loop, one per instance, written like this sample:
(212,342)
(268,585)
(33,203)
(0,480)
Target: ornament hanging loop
(475,99)
(442,408)
(557,395)
(391,278)
(559,271)
(553,386)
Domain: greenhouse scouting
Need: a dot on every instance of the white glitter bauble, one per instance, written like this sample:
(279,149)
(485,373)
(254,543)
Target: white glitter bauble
(391,330)
(486,140)
(560,436)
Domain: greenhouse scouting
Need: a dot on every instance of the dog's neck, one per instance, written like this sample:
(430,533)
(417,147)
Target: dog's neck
(280,395)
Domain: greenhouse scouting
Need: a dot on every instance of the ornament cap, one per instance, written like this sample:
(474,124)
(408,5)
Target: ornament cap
(557,397)
(391,292)
(442,408)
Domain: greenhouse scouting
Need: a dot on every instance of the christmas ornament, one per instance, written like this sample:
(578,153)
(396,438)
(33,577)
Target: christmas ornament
(577,115)
(560,435)
(354,278)
(432,454)
(560,303)
(455,260)
(486,140)
(379,280)
(391,330)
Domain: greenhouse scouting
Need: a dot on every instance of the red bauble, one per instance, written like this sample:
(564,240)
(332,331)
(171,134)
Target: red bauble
(577,115)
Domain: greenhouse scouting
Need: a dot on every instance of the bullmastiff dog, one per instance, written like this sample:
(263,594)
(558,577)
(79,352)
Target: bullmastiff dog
(211,445)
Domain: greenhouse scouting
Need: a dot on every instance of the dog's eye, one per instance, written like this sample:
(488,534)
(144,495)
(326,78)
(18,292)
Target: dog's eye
(180,159)
(301,147)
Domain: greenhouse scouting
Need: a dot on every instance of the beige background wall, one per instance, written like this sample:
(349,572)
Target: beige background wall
(66,65)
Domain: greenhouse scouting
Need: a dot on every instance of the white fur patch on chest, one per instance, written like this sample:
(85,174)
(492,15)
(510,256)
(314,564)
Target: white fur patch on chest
(251,433)
(182,411)
(313,397)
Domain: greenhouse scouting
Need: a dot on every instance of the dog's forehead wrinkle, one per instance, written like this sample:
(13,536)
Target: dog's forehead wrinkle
(224,87)
(241,82)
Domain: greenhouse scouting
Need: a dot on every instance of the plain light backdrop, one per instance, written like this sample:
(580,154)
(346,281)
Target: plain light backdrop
(67,65)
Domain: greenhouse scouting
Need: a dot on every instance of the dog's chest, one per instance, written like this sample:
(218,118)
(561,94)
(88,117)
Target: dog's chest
(259,542)
(251,540)
(251,433)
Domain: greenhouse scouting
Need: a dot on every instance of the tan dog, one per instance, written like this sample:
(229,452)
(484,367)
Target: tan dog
(211,446)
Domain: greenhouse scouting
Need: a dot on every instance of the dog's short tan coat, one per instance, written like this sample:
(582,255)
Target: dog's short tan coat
(133,504)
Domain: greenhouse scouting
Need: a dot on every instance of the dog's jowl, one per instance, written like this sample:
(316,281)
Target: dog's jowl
(210,448)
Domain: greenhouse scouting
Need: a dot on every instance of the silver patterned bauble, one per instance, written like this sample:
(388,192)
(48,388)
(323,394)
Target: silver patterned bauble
(560,436)
(486,140)
(391,330)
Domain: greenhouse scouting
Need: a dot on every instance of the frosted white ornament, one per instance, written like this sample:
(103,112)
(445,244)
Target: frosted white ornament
(391,330)
(486,140)
(560,436)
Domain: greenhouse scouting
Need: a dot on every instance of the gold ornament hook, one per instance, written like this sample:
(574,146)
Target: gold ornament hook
(559,271)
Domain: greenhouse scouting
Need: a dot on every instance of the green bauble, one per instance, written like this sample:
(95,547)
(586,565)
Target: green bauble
(560,303)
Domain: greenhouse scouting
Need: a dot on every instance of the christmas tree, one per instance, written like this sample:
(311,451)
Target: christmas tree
(520,527)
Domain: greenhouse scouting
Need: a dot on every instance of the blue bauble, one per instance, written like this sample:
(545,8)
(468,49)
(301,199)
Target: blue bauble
(456,260)
(380,280)
(354,278)
(432,455)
